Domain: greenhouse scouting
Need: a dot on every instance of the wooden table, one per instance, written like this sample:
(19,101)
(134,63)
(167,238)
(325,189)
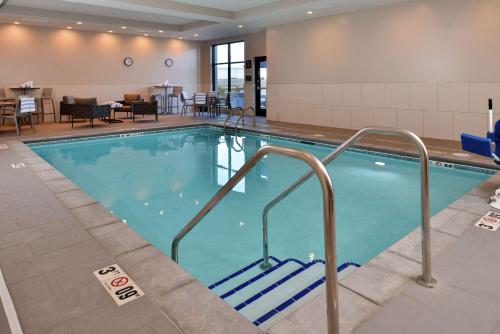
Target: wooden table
(24,89)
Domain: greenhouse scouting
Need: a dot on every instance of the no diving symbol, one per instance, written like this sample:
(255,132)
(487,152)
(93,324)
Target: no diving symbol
(119,281)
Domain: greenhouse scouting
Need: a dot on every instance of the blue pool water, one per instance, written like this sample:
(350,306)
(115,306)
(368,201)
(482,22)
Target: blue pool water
(157,182)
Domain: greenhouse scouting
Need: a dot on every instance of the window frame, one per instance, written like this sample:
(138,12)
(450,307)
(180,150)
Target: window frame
(228,63)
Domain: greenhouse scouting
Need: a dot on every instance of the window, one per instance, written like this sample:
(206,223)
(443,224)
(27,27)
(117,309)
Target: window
(228,71)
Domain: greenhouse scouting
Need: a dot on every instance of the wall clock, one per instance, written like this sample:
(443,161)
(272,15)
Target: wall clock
(169,62)
(128,61)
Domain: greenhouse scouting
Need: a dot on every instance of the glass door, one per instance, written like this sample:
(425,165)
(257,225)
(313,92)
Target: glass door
(260,85)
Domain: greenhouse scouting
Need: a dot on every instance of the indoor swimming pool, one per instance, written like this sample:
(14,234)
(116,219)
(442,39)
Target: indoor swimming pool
(155,182)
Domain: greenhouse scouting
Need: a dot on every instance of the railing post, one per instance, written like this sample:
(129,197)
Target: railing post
(265,245)
(426,278)
(328,216)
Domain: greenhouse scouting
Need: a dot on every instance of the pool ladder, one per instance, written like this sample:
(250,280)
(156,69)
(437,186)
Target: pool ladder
(241,112)
(319,168)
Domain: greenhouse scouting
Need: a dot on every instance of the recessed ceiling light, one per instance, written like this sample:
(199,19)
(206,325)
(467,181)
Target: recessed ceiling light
(110,31)
(240,26)
(146,35)
(124,27)
(181,37)
(79,22)
(16,22)
(69,28)
(380,163)
(160,31)
(309,12)
(196,35)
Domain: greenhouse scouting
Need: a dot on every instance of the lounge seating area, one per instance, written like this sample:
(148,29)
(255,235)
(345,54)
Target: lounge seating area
(91,111)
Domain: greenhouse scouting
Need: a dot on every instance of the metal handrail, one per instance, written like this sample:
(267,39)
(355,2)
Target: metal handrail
(426,278)
(228,117)
(241,117)
(328,215)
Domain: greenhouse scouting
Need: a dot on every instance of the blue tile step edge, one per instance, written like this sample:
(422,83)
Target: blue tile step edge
(260,276)
(275,285)
(250,266)
(241,271)
(283,306)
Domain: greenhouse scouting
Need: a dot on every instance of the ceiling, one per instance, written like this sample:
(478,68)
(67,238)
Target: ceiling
(190,19)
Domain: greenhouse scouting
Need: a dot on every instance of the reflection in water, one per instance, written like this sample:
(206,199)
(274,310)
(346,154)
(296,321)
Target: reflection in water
(230,158)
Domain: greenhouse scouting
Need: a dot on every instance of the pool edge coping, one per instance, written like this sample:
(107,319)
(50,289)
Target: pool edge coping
(398,249)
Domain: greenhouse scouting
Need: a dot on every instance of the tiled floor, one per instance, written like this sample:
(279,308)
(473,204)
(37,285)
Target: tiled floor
(52,236)
(467,298)
(47,257)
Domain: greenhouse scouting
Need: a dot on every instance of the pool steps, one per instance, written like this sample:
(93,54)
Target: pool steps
(266,296)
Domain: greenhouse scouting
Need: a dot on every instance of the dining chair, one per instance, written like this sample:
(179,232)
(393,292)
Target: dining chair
(200,103)
(24,108)
(46,96)
(6,107)
(186,103)
(213,101)
(225,103)
(176,93)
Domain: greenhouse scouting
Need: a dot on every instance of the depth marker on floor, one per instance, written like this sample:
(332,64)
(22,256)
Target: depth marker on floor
(118,284)
(490,221)
(18,165)
(3,147)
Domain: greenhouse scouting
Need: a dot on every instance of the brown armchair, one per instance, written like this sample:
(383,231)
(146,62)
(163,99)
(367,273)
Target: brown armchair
(68,103)
(145,108)
(84,108)
(91,112)
(128,100)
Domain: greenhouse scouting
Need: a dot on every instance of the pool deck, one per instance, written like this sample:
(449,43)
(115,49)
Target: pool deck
(53,236)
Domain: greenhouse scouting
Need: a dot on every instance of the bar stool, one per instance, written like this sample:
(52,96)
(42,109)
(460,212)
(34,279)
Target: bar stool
(176,93)
(46,96)
(157,97)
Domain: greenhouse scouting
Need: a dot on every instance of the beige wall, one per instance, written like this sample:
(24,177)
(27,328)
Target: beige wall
(428,66)
(91,64)
(255,46)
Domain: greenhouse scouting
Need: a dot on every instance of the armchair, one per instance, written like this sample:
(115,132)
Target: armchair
(145,108)
(128,100)
(68,103)
(90,111)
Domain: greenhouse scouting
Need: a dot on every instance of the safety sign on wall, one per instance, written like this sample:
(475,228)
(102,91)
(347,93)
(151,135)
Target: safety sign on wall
(490,221)
(118,284)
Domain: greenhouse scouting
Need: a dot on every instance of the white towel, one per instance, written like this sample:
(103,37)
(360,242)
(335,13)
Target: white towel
(114,104)
(27,84)
(26,104)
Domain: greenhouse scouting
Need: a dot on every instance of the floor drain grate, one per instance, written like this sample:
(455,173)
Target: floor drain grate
(18,165)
